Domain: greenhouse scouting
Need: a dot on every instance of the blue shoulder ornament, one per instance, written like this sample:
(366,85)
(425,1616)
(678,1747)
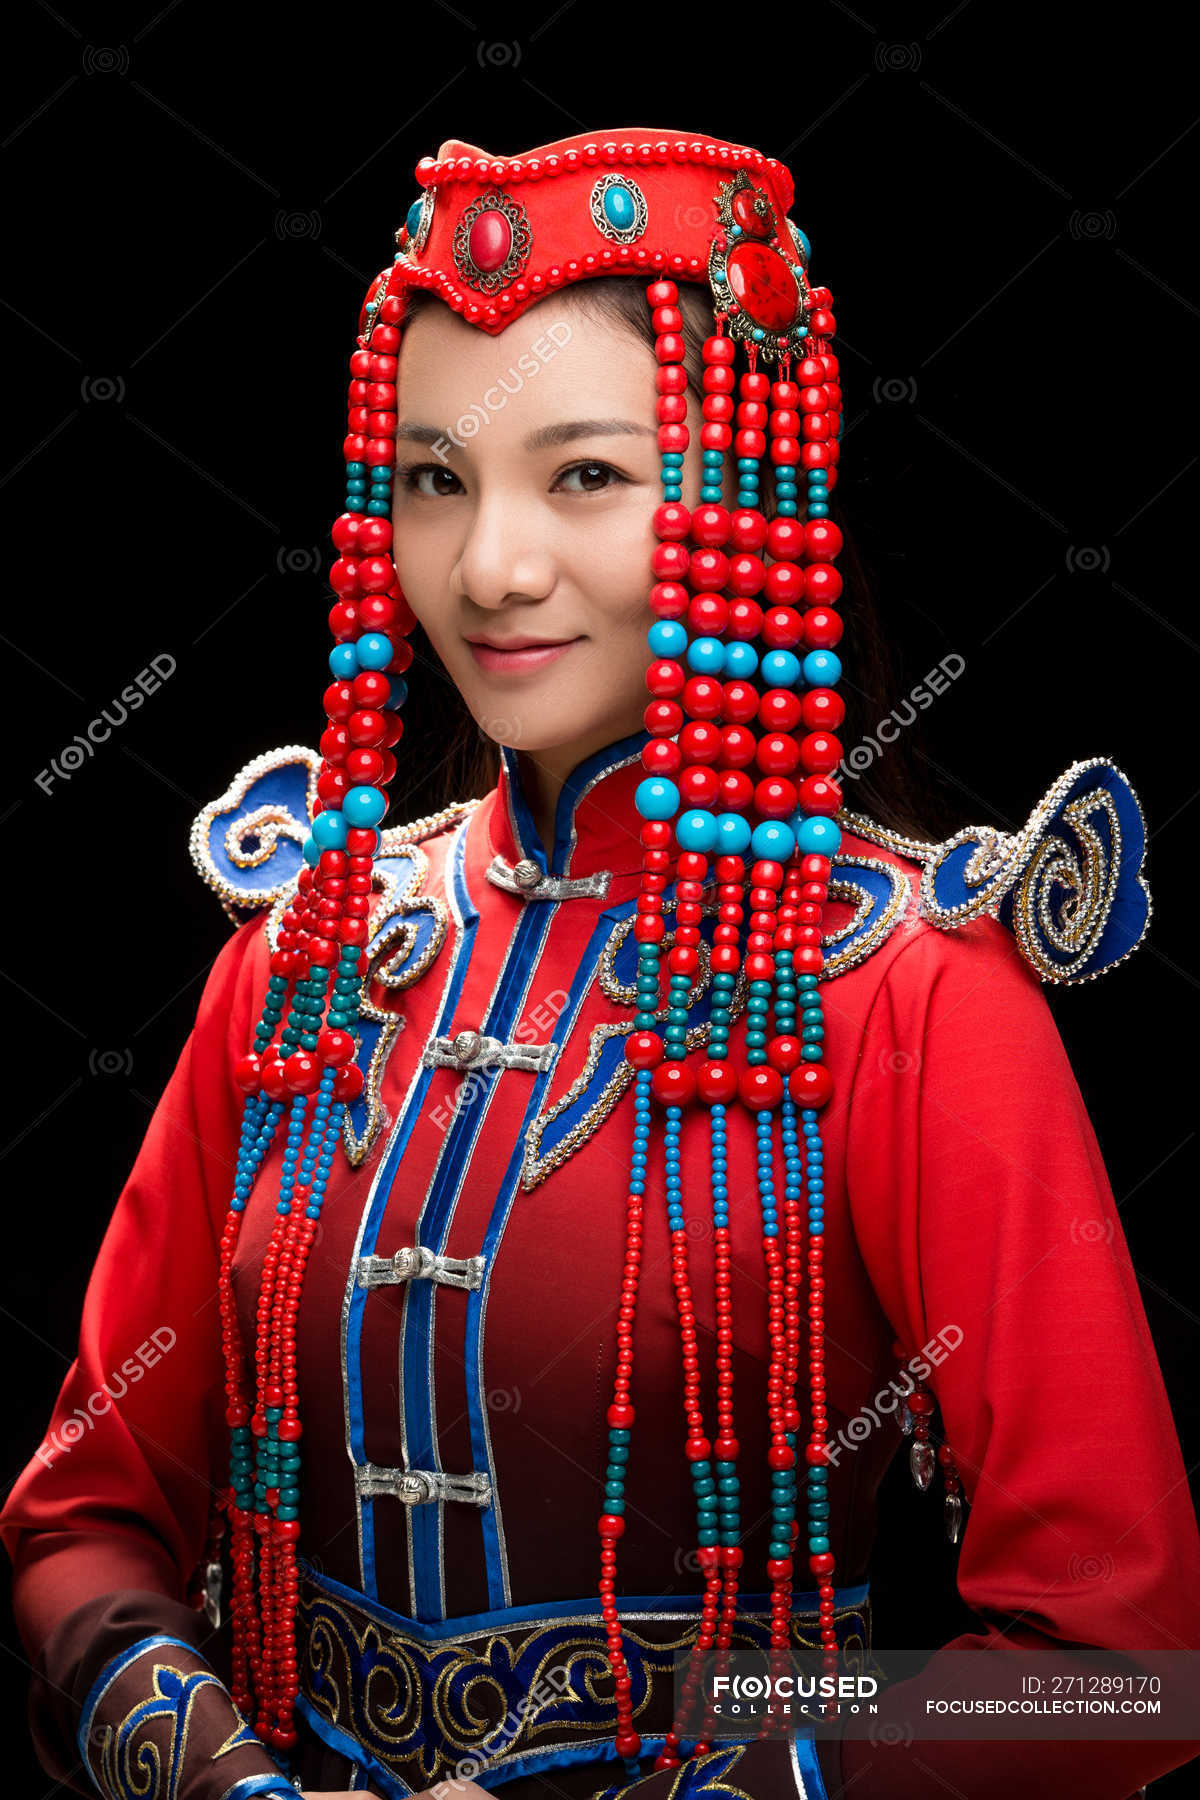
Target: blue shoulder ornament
(1068,883)
(248,844)
(248,847)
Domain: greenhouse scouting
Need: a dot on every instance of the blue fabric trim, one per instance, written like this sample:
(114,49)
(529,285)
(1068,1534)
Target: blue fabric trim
(260,1784)
(527,834)
(108,1674)
(536,1760)
(476,1297)
(433,1222)
(424,924)
(587,772)
(170,1696)
(501,1617)
(804,1755)
(392,1786)
(377,1207)
(443,1660)
(524,829)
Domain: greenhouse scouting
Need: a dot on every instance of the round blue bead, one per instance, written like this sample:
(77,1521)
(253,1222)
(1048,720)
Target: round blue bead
(733,834)
(696,830)
(363,806)
(740,660)
(343,662)
(375,651)
(656,798)
(772,840)
(780,668)
(329,830)
(667,637)
(822,668)
(706,655)
(819,836)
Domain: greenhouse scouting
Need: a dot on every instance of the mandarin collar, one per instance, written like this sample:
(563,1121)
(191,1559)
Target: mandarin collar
(596,825)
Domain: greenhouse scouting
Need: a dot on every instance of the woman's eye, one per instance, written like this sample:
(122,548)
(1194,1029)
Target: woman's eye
(433,481)
(595,476)
(411,480)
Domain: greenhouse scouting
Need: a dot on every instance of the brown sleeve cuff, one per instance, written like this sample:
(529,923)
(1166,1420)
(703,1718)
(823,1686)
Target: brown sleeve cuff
(139,1697)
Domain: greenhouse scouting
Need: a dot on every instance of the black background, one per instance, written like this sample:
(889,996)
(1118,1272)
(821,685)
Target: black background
(196,201)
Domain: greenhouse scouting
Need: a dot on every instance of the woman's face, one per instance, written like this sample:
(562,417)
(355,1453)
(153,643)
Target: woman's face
(523,518)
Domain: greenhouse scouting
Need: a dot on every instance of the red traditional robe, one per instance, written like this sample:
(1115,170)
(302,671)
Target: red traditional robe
(454,1429)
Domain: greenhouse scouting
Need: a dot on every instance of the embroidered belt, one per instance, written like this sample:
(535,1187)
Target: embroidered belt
(513,1691)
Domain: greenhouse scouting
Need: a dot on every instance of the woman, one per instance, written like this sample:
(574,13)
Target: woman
(549,1120)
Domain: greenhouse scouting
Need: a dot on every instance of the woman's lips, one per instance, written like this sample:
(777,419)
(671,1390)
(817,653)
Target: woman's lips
(520,657)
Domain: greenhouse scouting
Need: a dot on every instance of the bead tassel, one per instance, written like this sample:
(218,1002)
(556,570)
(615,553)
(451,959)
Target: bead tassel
(719,806)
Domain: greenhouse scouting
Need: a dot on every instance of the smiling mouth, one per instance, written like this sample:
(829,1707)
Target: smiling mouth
(521,656)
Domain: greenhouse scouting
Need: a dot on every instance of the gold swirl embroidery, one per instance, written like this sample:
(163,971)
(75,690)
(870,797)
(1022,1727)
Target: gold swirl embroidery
(1089,881)
(388,964)
(535,1167)
(691,1782)
(130,1769)
(1058,932)
(424,1709)
(850,944)
(268,823)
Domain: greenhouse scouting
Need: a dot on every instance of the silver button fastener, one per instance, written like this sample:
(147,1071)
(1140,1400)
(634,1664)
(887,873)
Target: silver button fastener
(417,1262)
(417,1487)
(467,1045)
(474,1050)
(526,874)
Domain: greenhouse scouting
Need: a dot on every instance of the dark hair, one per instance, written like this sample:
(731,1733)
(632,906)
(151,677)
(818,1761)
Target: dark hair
(895,789)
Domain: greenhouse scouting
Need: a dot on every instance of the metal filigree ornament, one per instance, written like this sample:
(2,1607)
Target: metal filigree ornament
(413,236)
(374,301)
(755,271)
(492,241)
(618,208)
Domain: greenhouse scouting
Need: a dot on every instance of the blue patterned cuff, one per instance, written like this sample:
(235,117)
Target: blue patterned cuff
(157,1703)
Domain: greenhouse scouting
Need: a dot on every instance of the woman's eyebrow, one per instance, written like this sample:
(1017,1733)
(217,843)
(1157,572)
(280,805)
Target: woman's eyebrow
(546,437)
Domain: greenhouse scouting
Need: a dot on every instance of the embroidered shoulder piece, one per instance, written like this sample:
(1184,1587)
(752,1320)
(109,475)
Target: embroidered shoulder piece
(1068,883)
(248,844)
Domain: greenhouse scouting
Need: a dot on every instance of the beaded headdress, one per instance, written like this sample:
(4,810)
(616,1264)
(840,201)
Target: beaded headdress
(738,789)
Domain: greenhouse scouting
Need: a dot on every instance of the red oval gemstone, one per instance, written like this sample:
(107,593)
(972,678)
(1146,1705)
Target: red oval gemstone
(489,240)
(763,285)
(746,213)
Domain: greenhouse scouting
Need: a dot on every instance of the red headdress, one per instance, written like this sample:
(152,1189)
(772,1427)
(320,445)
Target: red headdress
(738,789)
